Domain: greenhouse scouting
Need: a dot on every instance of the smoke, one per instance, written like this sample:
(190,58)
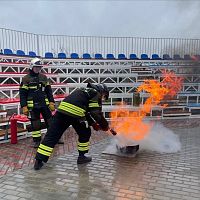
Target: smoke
(159,139)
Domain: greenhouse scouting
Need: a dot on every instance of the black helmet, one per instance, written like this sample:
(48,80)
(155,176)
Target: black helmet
(101,88)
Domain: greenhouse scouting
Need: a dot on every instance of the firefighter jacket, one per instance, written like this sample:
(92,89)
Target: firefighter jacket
(84,104)
(35,91)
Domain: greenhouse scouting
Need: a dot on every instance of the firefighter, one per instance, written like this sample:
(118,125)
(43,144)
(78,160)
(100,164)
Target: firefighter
(36,98)
(81,108)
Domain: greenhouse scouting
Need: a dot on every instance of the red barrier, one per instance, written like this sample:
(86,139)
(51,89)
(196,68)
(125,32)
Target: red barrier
(13,129)
(13,126)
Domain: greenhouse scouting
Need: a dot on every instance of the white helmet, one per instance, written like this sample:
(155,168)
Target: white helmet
(35,62)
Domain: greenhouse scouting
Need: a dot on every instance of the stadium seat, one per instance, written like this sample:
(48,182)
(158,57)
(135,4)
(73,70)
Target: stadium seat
(187,57)
(98,56)
(62,56)
(8,52)
(86,56)
(74,55)
(110,56)
(32,54)
(155,57)
(48,55)
(144,57)
(177,57)
(121,56)
(196,57)
(133,56)
(20,53)
(166,57)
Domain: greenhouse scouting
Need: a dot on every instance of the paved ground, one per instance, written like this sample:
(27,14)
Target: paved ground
(20,155)
(148,176)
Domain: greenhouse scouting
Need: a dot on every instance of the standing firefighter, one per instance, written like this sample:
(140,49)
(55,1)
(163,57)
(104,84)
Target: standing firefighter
(36,98)
(81,107)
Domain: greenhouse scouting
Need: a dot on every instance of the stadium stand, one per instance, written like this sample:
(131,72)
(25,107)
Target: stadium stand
(121,72)
(121,76)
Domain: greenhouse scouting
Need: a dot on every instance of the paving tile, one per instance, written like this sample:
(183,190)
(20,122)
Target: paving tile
(149,176)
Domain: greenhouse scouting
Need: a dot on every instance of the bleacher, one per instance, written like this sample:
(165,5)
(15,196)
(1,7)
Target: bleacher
(122,73)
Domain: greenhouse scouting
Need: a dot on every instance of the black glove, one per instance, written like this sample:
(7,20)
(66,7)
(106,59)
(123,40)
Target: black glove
(113,132)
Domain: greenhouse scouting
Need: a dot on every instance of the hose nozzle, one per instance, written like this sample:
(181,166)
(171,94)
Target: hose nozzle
(113,132)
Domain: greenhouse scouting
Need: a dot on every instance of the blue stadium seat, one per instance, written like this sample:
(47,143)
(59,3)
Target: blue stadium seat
(8,52)
(155,57)
(144,57)
(166,57)
(98,56)
(177,57)
(62,56)
(86,56)
(133,56)
(32,54)
(20,53)
(121,56)
(110,56)
(187,57)
(74,55)
(48,55)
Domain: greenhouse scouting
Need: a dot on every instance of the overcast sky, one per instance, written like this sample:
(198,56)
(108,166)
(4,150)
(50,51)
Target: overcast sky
(153,18)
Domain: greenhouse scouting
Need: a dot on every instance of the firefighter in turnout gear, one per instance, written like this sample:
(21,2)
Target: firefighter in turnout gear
(81,109)
(36,98)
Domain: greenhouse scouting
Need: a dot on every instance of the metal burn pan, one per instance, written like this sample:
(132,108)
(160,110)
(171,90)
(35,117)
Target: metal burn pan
(128,149)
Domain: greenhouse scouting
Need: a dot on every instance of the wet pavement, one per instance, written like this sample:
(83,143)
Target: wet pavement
(149,175)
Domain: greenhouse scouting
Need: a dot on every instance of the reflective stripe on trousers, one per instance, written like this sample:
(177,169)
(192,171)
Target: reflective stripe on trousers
(83,146)
(36,134)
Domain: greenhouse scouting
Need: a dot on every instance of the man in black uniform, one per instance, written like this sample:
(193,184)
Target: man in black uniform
(80,109)
(36,98)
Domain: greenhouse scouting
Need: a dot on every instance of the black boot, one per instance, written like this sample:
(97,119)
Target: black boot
(38,164)
(83,159)
(36,144)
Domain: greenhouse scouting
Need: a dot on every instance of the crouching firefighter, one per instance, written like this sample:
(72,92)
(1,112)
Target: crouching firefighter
(36,98)
(73,110)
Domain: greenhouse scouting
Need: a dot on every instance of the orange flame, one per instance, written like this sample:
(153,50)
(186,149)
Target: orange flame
(130,123)
(172,83)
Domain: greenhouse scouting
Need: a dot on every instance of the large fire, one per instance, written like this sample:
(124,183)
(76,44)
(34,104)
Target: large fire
(130,123)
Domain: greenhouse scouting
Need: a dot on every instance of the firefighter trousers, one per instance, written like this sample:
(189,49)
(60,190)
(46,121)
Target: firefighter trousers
(36,122)
(59,124)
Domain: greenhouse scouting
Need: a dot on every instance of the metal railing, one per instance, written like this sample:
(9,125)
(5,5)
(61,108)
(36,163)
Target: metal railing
(40,44)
